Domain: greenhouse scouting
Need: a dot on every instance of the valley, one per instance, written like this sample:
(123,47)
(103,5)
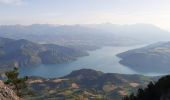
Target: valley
(84,50)
(104,59)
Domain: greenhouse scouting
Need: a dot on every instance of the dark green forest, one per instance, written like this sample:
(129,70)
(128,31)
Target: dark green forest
(154,91)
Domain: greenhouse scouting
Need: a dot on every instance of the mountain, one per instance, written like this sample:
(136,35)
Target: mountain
(26,53)
(87,84)
(140,32)
(87,36)
(81,37)
(152,58)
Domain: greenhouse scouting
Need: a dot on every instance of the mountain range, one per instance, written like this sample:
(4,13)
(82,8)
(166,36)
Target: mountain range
(26,53)
(86,37)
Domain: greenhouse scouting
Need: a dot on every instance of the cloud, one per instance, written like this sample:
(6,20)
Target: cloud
(11,1)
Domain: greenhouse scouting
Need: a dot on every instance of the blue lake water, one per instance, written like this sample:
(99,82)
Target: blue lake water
(104,60)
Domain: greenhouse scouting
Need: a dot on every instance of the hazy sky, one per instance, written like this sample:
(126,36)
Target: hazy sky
(155,12)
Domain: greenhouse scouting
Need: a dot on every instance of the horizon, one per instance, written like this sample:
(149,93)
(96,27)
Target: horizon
(122,12)
(84,25)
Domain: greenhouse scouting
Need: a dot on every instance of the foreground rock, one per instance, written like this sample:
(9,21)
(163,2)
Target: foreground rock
(6,93)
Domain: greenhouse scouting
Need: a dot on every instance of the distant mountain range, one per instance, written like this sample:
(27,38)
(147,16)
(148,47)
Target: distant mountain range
(152,58)
(89,84)
(140,32)
(76,36)
(86,37)
(26,53)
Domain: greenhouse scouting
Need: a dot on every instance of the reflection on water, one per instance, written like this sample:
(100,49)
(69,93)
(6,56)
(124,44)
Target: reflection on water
(104,60)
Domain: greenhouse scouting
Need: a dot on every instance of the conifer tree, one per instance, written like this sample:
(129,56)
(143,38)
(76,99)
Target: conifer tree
(18,83)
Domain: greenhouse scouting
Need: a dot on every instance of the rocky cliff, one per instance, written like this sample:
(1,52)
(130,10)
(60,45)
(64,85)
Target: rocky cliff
(7,93)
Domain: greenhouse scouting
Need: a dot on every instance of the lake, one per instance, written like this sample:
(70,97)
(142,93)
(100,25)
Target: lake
(104,60)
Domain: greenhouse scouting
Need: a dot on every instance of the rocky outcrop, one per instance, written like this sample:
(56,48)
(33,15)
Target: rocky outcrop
(6,93)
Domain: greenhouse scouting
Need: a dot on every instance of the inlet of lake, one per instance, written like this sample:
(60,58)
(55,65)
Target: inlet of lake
(103,59)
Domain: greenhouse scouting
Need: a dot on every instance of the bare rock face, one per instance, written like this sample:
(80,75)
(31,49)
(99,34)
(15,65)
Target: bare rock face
(6,93)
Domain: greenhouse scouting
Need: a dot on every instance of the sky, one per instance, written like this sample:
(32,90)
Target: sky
(122,12)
